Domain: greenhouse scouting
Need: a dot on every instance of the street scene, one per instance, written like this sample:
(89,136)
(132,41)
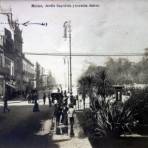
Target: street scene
(73,74)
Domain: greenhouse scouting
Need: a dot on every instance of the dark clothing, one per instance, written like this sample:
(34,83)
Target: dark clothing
(57,113)
(71,119)
(6,106)
(65,116)
(36,107)
(49,99)
(44,98)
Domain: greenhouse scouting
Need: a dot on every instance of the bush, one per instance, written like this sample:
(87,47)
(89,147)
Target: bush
(86,121)
(138,103)
(110,120)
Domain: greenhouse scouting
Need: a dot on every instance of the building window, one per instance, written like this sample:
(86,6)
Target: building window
(1,60)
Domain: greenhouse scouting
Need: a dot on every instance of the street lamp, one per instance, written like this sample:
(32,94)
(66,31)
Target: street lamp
(66,60)
(67,34)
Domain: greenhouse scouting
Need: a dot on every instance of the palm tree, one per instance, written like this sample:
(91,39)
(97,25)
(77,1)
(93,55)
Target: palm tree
(82,89)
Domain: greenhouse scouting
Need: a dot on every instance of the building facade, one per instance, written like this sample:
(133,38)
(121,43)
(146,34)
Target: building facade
(2,74)
(28,75)
(17,73)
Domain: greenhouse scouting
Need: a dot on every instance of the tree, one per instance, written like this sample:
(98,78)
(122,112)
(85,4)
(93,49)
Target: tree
(82,89)
(94,82)
(120,70)
(50,81)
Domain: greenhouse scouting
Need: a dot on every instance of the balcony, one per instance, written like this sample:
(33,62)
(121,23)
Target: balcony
(4,71)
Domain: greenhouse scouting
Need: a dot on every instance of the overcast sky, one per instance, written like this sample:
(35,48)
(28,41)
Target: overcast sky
(116,26)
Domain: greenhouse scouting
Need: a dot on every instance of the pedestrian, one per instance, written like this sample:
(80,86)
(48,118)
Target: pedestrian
(44,98)
(36,106)
(55,102)
(29,97)
(6,105)
(33,98)
(49,99)
(64,118)
(58,115)
(71,112)
(65,93)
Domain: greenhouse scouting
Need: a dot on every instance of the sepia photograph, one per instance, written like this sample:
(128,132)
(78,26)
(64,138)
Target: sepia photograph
(73,74)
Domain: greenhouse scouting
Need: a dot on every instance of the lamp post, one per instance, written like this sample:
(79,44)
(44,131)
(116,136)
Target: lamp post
(66,74)
(67,34)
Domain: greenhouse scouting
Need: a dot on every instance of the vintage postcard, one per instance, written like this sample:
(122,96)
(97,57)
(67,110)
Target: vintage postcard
(73,73)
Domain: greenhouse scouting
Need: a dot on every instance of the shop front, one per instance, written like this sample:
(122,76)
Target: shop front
(2,86)
(10,89)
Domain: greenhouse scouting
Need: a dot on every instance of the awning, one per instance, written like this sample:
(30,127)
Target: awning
(8,84)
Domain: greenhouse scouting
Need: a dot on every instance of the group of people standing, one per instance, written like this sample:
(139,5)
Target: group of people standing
(47,97)
(32,97)
(64,116)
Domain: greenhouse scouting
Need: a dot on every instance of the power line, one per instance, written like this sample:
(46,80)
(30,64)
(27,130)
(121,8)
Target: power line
(83,54)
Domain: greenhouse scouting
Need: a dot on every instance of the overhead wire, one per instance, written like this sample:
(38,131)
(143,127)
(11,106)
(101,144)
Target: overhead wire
(82,54)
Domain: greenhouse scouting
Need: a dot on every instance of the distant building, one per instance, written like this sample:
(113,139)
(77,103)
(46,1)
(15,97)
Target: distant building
(28,75)
(45,80)
(10,83)
(17,73)
(40,74)
(6,71)
(2,73)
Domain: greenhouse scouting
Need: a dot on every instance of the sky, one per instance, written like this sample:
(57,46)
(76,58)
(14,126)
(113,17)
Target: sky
(113,26)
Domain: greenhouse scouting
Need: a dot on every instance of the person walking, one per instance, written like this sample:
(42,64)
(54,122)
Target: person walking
(36,105)
(44,98)
(49,99)
(71,112)
(6,105)
(29,97)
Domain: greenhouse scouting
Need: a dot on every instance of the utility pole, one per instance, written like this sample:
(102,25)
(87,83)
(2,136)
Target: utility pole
(68,75)
(67,34)
(67,30)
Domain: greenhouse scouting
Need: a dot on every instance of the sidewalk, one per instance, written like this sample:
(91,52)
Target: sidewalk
(65,141)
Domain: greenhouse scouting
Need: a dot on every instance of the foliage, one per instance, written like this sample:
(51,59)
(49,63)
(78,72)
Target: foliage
(50,81)
(138,103)
(110,120)
(113,119)
(86,121)
(94,82)
(123,71)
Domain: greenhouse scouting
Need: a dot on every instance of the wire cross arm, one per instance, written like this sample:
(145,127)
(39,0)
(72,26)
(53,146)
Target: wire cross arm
(26,23)
(33,23)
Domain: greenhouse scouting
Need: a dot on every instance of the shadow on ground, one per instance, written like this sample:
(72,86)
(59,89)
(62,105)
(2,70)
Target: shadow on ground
(128,142)
(22,133)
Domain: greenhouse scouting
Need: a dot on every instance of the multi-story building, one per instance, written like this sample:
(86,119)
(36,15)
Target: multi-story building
(6,71)
(40,76)
(2,80)
(10,83)
(28,75)
(11,74)
(16,71)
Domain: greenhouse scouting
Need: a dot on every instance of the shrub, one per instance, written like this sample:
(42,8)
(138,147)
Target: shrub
(113,119)
(87,121)
(138,103)
(110,120)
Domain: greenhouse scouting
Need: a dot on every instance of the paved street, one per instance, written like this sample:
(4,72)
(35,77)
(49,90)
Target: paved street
(23,128)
